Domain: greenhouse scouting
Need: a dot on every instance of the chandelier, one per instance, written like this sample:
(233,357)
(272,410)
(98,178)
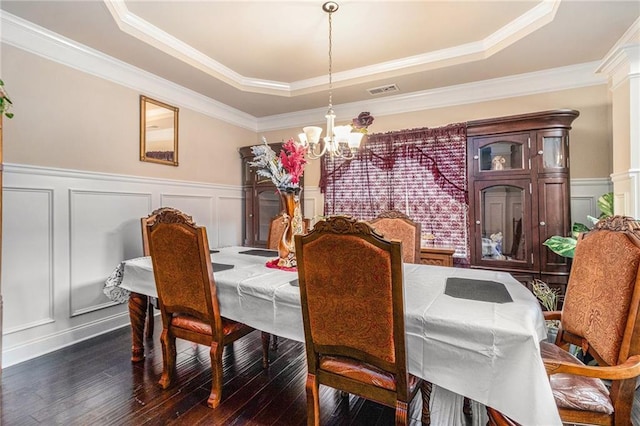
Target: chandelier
(339,140)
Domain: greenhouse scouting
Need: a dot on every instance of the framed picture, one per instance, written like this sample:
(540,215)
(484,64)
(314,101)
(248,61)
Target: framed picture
(158,132)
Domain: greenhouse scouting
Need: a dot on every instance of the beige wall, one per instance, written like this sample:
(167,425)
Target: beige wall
(591,141)
(72,120)
(67,119)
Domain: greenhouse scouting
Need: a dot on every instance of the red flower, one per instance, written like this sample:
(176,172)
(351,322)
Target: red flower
(292,158)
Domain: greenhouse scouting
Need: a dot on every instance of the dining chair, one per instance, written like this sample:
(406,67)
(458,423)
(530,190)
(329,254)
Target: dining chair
(187,296)
(150,320)
(393,224)
(351,292)
(600,318)
(276,229)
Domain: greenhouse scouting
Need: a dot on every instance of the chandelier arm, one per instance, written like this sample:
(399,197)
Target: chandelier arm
(313,152)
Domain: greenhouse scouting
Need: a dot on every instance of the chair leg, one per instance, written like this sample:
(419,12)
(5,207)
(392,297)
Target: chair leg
(313,401)
(150,319)
(401,413)
(266,338)
(168,358)
(425,390)
(216,372)
(274,345)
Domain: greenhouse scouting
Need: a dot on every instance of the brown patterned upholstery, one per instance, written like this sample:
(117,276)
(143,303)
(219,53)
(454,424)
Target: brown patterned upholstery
(353,313)
(145,252)
(600,315)
(276,229)
(187,295)
(395,225)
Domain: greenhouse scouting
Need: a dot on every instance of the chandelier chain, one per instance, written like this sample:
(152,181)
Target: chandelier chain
(330,57)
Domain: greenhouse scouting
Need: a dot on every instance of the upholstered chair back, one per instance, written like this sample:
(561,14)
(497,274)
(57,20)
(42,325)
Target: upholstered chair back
(348,282)
(182,266)
(602,287)
(395,225)
(276,229)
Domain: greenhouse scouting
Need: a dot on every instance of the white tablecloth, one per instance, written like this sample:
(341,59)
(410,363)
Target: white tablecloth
(486,351)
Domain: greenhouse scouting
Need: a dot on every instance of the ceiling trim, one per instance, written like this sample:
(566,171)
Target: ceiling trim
(552,80)
(623,59)
(32,38)
(525,24)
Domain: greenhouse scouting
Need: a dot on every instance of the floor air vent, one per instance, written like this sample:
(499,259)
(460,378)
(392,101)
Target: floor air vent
(383,89)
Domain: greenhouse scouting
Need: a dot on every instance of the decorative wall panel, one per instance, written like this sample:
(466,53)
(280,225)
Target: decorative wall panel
(104,229)
(27,258)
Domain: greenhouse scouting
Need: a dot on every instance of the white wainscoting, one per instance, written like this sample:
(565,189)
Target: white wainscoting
(584,198)
(64,232)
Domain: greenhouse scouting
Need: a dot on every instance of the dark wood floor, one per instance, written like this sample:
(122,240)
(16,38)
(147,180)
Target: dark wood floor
(94,383)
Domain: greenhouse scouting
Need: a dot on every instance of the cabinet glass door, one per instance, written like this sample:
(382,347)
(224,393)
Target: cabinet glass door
(501,154)
(503,223)
(552,150)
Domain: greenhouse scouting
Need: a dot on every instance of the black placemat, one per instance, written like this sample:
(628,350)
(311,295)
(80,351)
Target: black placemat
(218,267)
(258,252)
(481,290)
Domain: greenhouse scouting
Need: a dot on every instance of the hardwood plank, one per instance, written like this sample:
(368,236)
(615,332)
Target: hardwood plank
(94,382)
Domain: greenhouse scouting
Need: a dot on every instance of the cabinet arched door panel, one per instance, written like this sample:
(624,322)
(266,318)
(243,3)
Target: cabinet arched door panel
(500,154)
(502,224)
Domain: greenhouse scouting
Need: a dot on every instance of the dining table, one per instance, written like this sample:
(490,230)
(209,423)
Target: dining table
(472,332)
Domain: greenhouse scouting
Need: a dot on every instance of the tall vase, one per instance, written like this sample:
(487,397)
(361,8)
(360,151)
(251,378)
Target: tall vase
(293,225)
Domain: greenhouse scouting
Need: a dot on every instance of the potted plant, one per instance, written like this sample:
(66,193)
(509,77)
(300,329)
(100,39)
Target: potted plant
(566,246)
(5,102)
(548,298)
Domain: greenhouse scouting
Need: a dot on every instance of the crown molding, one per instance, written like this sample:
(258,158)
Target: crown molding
(523,25)
(27,36)
(570,77)
(623,60)
(32,38)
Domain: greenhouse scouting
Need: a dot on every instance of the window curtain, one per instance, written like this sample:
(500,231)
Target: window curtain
(420,172)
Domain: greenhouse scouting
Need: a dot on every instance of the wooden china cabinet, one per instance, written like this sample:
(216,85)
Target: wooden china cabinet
(519,193)
(261,200)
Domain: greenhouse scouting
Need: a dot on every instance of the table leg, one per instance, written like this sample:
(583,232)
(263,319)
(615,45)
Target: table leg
(137,315)
(426,389)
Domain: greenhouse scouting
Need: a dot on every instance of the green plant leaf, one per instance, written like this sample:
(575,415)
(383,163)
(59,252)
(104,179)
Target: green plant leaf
(9,114)
(577,228)
(564,246)
(605,204)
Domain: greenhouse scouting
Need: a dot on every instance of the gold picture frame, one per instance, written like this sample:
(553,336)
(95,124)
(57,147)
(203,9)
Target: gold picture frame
(158,132)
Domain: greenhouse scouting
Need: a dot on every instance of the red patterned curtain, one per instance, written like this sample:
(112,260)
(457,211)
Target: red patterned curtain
(420,172)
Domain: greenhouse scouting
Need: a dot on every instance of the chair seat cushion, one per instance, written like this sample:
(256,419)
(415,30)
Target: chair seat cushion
(196,325)
(363,372)
(575,392)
